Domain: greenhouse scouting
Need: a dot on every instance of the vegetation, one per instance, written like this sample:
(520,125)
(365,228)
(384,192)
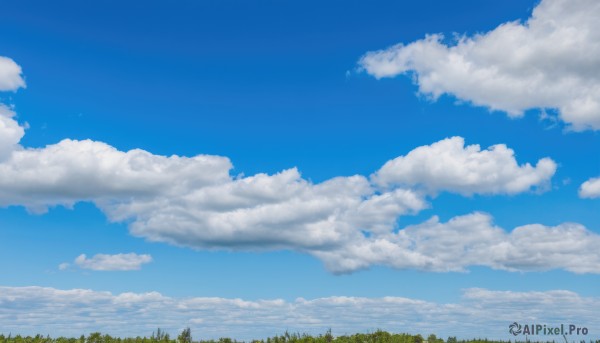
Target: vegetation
(186,337)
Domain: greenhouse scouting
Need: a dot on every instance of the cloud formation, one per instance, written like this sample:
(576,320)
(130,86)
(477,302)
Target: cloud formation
(10,75)
(590,188)
(450,166)
(548,62)
(478,313)
(105,262)
(472,240)
(72,171)
(10,132)
(349,222)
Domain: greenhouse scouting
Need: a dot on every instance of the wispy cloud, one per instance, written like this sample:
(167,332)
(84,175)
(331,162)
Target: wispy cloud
(105,262)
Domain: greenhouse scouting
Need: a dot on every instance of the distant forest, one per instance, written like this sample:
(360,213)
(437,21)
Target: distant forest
(185,336)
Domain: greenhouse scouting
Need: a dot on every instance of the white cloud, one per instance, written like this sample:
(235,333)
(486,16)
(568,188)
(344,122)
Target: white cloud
(549,62)
(64,266)
(105,262)
(10,75)
(10,132)
(281,211)
(349,222)
(472,240)
(590,188)
(478,313)
(450,166)
(71,171)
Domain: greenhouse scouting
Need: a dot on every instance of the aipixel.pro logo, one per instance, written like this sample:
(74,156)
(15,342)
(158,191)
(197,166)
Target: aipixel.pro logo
(514,328)
(539,329)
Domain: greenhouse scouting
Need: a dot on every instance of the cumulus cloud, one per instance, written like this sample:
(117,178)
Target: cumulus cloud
(548,62)
(10,132)
(104,262)
(281,211)
(450,166)
(71,171)
(590,188)
(10,75)
(472,240)
(349,222)
(478,313)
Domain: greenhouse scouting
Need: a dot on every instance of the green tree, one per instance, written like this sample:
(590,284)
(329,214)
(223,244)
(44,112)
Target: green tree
(185,336)
(94,337)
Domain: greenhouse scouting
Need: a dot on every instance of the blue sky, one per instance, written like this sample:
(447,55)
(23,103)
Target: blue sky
(324,88)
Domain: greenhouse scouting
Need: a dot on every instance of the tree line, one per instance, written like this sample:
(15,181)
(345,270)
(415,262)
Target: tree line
(160,336)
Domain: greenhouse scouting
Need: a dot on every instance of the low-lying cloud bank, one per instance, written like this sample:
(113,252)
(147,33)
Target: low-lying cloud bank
(479,313)
(548,62)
